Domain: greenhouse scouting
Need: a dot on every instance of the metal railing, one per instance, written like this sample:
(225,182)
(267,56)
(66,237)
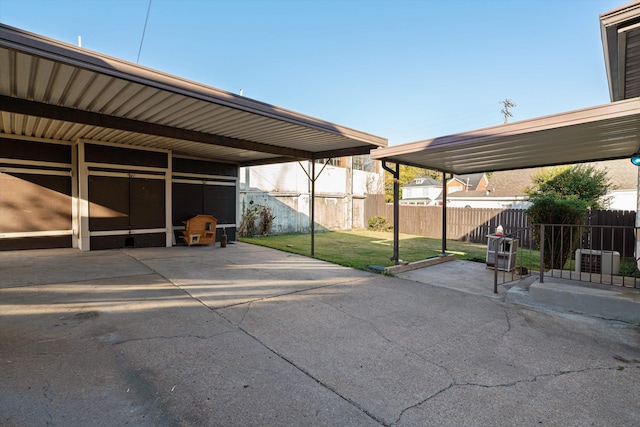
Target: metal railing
(604,254)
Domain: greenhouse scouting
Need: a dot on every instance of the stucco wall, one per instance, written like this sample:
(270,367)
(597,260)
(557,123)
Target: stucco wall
(291,211)
(286,189)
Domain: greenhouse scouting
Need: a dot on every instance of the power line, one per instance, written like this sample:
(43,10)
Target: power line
(144,30)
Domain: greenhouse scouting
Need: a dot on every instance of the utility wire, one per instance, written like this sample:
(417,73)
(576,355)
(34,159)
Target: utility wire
(144,30)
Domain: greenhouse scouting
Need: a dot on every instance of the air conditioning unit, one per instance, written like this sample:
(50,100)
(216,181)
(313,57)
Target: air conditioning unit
(599,262)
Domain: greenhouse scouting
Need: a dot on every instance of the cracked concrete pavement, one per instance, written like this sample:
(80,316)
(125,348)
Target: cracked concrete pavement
(250,336)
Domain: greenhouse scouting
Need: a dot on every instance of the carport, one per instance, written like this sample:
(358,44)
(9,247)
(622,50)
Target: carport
(605,132)
(97,152)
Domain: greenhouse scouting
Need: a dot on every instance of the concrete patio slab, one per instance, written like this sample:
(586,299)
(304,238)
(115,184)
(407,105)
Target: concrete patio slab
(465,276)
(301,342)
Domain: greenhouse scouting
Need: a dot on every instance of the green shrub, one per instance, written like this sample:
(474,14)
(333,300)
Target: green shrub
(555,212)
(379,223)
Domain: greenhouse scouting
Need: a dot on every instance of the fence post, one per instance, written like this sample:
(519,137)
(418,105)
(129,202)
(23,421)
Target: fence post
(541,253)
(495,264)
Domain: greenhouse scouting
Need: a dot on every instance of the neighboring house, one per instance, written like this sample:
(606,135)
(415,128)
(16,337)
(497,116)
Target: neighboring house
(471,182)
(506,188)
(428,191)
(341,187)
(421,191)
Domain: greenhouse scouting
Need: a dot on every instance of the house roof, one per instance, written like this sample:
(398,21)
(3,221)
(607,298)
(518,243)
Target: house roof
(603,132)
(473,179)
(53,90)
(426,182)
(510,183)
(621,173)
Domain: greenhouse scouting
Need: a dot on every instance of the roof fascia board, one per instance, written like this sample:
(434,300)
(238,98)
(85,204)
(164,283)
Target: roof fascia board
(620,14)
(343,152)
(57,51)
(269,161)
(38,109)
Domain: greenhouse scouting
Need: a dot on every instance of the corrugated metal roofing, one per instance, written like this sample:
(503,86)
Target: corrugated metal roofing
(49,89)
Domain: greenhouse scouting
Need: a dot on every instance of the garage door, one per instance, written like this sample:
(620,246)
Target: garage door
(35,195)
(127,197)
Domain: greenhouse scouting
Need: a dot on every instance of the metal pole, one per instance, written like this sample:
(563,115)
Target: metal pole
(541,253)
(313,207)
(444,212)
(396,215)
(396,209)
(499,242)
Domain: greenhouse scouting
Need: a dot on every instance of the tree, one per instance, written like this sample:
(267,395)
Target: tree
(407,174)
(584,182)
(563,195)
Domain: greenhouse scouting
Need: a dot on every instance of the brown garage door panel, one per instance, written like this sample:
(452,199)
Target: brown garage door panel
(32,150)
(35,243)
(124,156)
(204,167)
(136,241)
(186,201)
(147,203)
(108,203)
(32,202)
(220,201)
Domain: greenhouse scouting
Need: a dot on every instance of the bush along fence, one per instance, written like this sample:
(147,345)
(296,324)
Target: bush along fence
(474,224)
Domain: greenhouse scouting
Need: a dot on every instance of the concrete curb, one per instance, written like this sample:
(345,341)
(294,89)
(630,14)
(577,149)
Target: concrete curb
(603,301)
(439,259)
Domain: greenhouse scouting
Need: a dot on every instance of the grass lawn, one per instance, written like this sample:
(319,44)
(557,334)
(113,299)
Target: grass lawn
(360,248)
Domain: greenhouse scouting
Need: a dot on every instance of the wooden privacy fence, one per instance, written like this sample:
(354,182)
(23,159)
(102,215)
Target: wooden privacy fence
(474,224)
(611,238)
(467,224)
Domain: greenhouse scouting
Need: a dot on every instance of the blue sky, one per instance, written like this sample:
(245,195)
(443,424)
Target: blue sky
(405,70)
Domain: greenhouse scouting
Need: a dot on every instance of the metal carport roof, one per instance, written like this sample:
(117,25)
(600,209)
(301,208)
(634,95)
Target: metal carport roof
(54,90)
(605,132)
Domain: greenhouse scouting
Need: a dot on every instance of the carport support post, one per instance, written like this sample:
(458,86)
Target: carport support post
(313,207)
(444,212)
(637,234)
(541,253)
(396,208)
(312,177)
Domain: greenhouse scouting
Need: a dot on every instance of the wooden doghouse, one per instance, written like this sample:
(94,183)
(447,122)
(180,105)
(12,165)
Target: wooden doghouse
(200,230)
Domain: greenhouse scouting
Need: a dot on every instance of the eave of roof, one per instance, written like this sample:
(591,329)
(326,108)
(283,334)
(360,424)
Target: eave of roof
(54,90)
(620,32)
(605,132)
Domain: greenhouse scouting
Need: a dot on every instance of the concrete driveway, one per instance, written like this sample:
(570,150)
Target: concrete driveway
(248,336)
